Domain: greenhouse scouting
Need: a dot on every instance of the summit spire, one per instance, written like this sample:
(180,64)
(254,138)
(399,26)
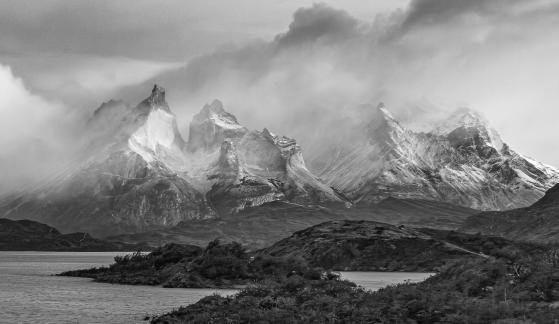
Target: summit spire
(155,100)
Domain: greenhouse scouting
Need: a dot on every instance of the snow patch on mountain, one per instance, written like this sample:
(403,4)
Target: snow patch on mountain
(462,161)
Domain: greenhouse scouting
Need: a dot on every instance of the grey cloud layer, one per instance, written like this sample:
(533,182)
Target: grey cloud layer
(491,55)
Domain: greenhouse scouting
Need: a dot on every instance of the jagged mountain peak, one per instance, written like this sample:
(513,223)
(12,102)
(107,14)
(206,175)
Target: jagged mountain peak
(212,125)
(382,126)
(463,117)
(384,112)
(156,100)
(157,138)
(107,105)
(466,127)
(462,161)
(215,107)
(216,114)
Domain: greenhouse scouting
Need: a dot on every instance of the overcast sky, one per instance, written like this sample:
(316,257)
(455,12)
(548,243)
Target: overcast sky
(269,60)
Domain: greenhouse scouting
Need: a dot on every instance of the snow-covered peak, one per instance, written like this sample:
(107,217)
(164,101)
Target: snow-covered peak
(212,125)
(388,117)
(157,138)
(382,127)
(466,122)
(461,117)
(215,113)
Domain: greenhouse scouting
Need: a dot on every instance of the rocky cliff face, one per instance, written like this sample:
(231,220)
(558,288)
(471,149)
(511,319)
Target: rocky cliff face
(250,168)
(462,161)
(127,179)
(136,173)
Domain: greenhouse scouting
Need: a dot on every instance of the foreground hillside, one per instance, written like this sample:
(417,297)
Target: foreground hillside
(367,246)
(26,235)
(373,246)
(479,280)
(219,265)
(262,226)
(509,289)
(338,245)
(538,222)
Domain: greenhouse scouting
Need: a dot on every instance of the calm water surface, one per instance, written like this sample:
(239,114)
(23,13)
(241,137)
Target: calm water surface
(377,280)
(30,294)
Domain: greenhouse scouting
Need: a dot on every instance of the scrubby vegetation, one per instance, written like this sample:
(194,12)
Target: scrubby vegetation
(186,266)
(492,290)
(481,279)
(371,246)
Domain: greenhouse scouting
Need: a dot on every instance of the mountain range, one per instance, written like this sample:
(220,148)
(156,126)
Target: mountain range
(462,161)
(137,174)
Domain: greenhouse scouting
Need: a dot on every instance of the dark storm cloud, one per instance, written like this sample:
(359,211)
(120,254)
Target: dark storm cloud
(495,56)
(437,12)
(312,29)
(486,54)
(427,12)
(318,23)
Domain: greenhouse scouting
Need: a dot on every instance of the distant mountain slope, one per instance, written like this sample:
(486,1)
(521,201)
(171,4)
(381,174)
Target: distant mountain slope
(538,222)
(462,161)
(368,246)
(261,226)
(26,235)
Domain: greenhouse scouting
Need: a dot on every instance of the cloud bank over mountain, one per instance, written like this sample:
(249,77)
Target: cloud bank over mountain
(494,56)
(33,133)
(430,56)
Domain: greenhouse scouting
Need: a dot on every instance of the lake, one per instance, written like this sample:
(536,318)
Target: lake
(30,294)
(376,280)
